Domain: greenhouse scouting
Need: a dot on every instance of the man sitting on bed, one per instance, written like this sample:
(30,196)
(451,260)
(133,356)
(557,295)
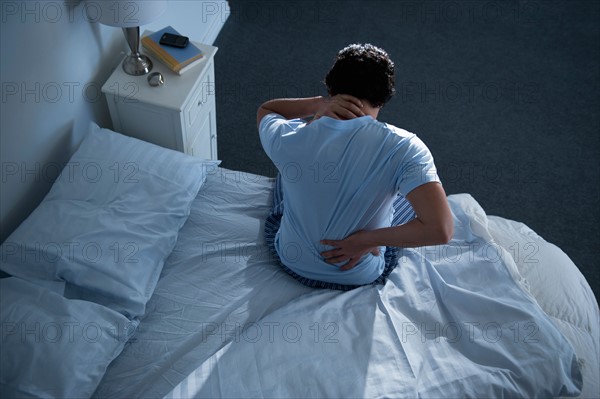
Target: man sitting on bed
(344,178)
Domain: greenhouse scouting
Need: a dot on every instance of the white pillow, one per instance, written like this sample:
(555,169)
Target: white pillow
(52,346)
(553,279)
(109,221)
(561,291)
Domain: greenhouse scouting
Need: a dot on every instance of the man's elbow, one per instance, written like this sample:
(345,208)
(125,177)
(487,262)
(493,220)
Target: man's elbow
(444,232)
(260,113)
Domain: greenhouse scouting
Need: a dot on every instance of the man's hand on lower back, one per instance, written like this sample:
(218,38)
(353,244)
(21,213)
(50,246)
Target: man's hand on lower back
(350,249)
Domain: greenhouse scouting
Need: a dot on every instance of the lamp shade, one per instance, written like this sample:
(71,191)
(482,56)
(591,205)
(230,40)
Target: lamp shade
(129,13)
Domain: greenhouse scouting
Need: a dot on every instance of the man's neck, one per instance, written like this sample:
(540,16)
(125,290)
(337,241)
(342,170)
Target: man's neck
(370,110)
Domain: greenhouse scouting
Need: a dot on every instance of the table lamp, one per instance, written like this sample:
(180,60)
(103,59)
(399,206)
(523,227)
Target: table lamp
(129,15)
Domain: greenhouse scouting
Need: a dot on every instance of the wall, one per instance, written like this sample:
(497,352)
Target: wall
(54,60)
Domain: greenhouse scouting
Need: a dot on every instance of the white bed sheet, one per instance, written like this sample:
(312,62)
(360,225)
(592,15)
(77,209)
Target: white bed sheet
(221,290)
(219,278)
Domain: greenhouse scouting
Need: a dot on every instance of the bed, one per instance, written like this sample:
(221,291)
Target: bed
(144,273)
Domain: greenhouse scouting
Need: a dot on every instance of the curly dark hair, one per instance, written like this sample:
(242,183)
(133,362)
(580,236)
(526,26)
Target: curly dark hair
(363,71)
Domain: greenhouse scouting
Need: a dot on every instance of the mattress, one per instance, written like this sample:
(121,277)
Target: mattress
(224,320)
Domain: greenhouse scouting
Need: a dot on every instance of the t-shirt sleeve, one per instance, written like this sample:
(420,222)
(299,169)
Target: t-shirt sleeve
(271,129)
(417,167)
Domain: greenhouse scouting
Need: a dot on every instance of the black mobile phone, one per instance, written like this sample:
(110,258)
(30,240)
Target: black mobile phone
(169,39)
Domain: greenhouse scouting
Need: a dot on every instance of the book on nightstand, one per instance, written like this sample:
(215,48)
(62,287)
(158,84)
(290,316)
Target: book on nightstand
(179,60)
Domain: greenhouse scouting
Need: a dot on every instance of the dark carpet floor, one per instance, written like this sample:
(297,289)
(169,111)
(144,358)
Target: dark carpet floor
(505,94)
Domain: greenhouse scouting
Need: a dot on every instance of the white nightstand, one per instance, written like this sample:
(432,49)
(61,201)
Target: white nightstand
(180,114)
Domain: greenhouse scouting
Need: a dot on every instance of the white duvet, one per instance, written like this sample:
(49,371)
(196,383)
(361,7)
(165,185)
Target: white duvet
(452,321)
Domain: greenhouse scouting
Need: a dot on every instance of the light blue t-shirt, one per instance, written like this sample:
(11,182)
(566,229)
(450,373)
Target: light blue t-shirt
(339,177)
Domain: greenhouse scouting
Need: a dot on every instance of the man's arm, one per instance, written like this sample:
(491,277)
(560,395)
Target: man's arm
(342,106)
(433,225)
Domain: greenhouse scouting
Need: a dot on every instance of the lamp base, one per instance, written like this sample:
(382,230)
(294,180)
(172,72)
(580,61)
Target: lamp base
(137,64)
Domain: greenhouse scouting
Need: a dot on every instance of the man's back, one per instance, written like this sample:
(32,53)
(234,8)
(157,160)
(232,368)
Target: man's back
(338,177)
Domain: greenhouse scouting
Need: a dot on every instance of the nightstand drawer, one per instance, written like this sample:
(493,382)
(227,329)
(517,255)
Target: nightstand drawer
(203,94)
(204,144)
(200,125)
